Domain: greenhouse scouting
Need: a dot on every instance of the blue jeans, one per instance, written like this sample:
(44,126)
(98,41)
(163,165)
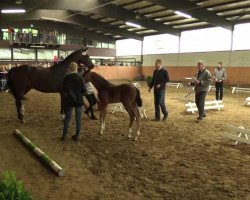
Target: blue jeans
(159,97)
(68,113)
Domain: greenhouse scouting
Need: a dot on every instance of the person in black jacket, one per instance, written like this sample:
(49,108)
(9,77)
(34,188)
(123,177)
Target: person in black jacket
(74,89)
(160,78)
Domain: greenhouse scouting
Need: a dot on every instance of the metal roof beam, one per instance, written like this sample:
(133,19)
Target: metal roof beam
(195,11)
(154,12)
(125,15)
(72,18)
(93,23)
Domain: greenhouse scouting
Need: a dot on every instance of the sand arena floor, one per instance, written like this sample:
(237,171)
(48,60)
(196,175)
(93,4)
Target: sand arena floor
(176,159)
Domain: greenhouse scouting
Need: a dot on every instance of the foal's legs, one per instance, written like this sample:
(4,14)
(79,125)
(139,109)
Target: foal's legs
(132,118)
(102,117)
(135,110)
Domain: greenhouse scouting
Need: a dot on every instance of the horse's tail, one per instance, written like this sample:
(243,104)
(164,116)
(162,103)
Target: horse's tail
(138,98)
(10,83)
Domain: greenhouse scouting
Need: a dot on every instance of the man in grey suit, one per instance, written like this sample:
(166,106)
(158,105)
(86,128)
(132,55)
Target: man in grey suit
(201,82)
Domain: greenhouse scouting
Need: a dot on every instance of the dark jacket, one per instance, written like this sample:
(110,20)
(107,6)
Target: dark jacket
(160,77)
(74,89)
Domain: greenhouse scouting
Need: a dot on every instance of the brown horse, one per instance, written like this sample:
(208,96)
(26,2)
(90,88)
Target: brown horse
(49,80)
(108,93)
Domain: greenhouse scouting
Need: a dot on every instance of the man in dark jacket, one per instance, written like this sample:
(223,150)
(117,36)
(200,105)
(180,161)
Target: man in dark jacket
(160,78)
(74,89)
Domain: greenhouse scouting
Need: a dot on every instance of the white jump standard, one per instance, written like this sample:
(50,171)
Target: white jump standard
(211,88)
(209,105)
(119,108)
(136,84)
(177,85)
(247,102)
(239,89)
(237,134)
(46,159)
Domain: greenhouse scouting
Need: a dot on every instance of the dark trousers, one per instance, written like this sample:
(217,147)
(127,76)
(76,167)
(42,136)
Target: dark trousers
(200,102)
(68,113)
(159,98)
(219,90)
(92,101)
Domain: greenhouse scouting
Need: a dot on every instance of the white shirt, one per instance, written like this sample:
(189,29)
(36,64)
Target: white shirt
(90,88)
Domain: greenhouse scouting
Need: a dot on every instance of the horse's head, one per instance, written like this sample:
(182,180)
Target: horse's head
(82,58)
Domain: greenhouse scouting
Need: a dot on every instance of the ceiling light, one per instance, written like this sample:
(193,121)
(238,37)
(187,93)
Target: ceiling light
(132,24)
(34,46)
(183,14)
(51,19)
(12,11)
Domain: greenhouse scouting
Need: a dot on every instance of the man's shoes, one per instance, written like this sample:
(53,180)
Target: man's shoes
(156,119)
(204,115)
(75,138)
(87,113)
(199,119)
(165,117)
(93,118)
(63,138)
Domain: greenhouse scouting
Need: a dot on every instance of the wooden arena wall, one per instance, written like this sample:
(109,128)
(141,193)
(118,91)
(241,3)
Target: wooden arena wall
(119,72)
(236,75)
(180,65)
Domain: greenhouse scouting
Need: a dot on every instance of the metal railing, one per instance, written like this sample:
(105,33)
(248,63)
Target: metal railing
(30,38)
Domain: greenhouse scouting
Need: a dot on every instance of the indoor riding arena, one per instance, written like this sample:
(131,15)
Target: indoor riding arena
(178,71)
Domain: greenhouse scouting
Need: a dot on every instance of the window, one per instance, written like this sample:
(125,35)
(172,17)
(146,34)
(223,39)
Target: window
(5,34)
(61,38)
(98,45)
(70,39)
(111,46)
(46,54)
(209,39)
(241,37)
(105,45)
(128,47)
(5,53)
(62,54)
(159,44)
(24,54)
(68,53)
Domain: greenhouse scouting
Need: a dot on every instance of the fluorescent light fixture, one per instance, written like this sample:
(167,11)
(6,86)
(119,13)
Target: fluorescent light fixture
(51,19)
(132,24)
(183,14)
(38,46)
(12,11)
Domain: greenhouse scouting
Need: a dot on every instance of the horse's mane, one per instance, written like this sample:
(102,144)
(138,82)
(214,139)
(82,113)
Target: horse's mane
(102,80)
(67,59)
